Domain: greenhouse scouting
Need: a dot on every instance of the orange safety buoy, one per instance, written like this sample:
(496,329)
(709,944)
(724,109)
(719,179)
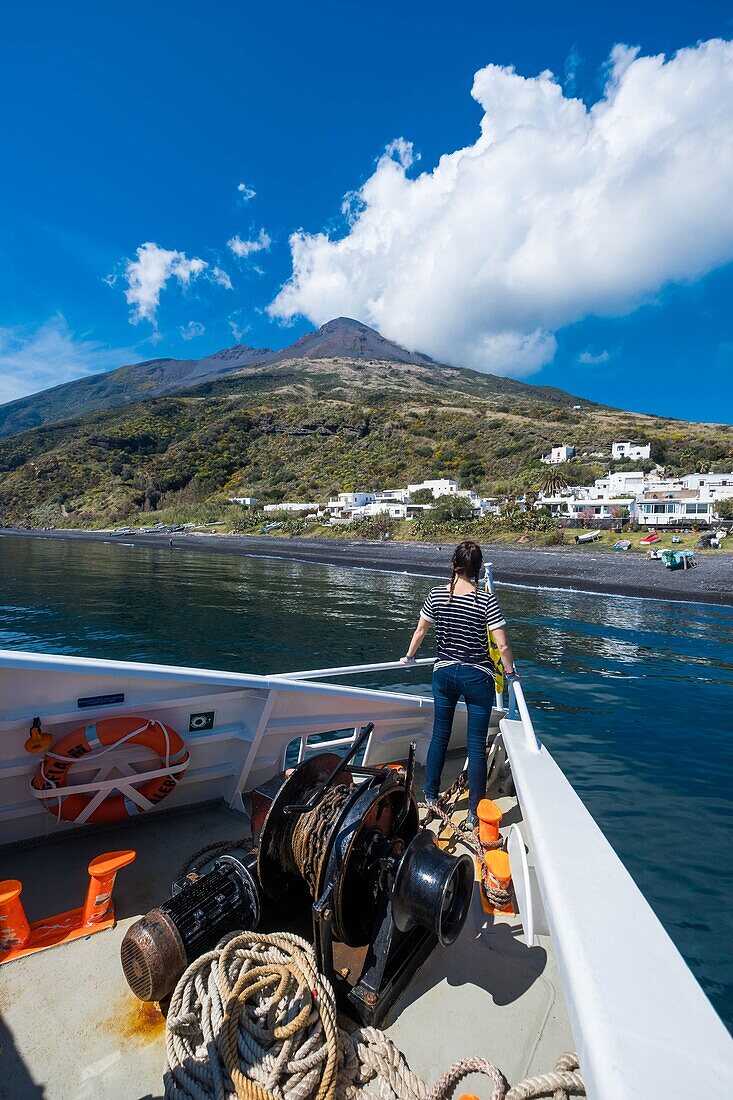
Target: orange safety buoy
(94,740)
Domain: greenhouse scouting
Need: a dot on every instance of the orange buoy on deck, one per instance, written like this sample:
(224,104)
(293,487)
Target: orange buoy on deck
(18,937)
(102,805)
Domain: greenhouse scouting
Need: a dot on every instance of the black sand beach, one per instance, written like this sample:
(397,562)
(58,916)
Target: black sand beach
(583,569)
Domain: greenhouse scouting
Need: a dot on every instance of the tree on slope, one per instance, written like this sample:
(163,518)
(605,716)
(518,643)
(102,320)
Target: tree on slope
(551,482)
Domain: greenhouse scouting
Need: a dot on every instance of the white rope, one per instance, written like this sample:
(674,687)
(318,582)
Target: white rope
(254,1020)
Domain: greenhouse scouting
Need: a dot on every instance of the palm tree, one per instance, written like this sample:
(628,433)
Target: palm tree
(551,482)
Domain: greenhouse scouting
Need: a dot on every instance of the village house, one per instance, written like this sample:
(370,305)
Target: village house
(628,450)
(558,455)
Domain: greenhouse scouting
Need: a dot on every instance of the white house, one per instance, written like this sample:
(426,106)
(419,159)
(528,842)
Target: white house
(627,450)
(717,486)
(299,507)
(575,504)
(630,482)
(439,487)
(558,455)
(682,508)
(246,502)
(346,502)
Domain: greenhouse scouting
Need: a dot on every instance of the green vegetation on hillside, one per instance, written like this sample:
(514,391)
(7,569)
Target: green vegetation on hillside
(305,430)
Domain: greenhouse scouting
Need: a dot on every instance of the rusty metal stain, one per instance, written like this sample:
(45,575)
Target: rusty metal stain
(141,1020)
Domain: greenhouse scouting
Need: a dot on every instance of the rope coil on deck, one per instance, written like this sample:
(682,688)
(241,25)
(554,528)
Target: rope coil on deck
(254,1020)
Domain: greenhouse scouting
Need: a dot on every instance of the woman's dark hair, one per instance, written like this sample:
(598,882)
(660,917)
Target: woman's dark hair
(466,561)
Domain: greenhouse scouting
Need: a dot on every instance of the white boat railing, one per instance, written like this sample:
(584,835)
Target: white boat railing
(354,670)
(518,710)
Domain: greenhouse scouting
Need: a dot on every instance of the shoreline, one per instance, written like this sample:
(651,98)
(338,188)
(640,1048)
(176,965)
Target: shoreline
(569,568)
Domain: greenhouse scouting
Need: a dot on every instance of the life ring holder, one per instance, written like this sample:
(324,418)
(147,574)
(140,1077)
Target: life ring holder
(106,800)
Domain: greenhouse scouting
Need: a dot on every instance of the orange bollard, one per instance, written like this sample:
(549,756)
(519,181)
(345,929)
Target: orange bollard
(15,930)
(102,873)
(489,816)
(497,864)
(18,938)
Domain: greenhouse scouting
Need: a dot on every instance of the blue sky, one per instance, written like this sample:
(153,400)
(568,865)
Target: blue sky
(135,123)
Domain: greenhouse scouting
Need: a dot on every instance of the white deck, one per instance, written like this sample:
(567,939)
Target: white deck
(606,980)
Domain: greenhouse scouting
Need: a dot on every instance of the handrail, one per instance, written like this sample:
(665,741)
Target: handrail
(352,670)
(518,709)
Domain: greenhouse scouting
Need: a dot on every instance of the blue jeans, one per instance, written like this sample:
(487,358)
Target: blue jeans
(477,688)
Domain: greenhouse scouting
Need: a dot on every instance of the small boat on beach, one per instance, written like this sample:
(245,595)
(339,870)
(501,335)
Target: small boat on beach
(654,537)
(588,536)
(678,559)
(622,544)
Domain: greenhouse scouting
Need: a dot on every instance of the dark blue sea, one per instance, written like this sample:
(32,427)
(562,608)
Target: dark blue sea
(633,697)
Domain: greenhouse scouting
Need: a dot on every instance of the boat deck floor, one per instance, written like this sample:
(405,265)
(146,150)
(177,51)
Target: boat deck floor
(70,1029)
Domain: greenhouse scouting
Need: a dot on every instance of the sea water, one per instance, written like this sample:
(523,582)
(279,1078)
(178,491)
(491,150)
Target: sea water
(634,698)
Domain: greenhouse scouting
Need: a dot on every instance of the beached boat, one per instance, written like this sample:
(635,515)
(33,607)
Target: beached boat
(588,536)
(583,965)
(622,544)
(678,559)
(654,537)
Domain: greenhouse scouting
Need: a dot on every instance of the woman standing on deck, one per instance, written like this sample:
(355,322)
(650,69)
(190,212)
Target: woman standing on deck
(462,615)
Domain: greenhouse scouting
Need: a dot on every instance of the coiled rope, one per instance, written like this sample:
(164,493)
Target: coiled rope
(254,1020)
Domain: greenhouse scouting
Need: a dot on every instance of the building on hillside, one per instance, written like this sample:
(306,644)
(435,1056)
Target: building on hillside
(558,455)
(627,483)
(345,503)
(680,508)
(628,450)
(691,499)
(300,508)
(719,486)
(439,487)
(246,502)
(392,509)
(396,496)
(582,503)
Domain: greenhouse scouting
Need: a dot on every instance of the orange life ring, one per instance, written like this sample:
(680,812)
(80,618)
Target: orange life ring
(53,770)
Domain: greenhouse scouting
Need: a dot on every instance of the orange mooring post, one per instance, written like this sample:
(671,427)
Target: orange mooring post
(14,927)
(489,816)
(18,937)
(102,873)
(497,864)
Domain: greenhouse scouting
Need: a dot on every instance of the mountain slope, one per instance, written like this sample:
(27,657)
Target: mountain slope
(120,387)
(303,428)
(340,339)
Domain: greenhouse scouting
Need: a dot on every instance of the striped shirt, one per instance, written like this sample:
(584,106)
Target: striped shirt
(461,623)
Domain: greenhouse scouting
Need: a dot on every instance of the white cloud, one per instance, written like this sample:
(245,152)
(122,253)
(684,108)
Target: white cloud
(34,357)
(238,330)
(243,249)
(555,213)
(148,274)
(150,271)
(220,278)
(191,330)
(245,193)
(594,359)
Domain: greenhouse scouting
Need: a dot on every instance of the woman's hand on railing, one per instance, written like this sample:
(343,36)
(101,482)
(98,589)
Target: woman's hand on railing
(407,660)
